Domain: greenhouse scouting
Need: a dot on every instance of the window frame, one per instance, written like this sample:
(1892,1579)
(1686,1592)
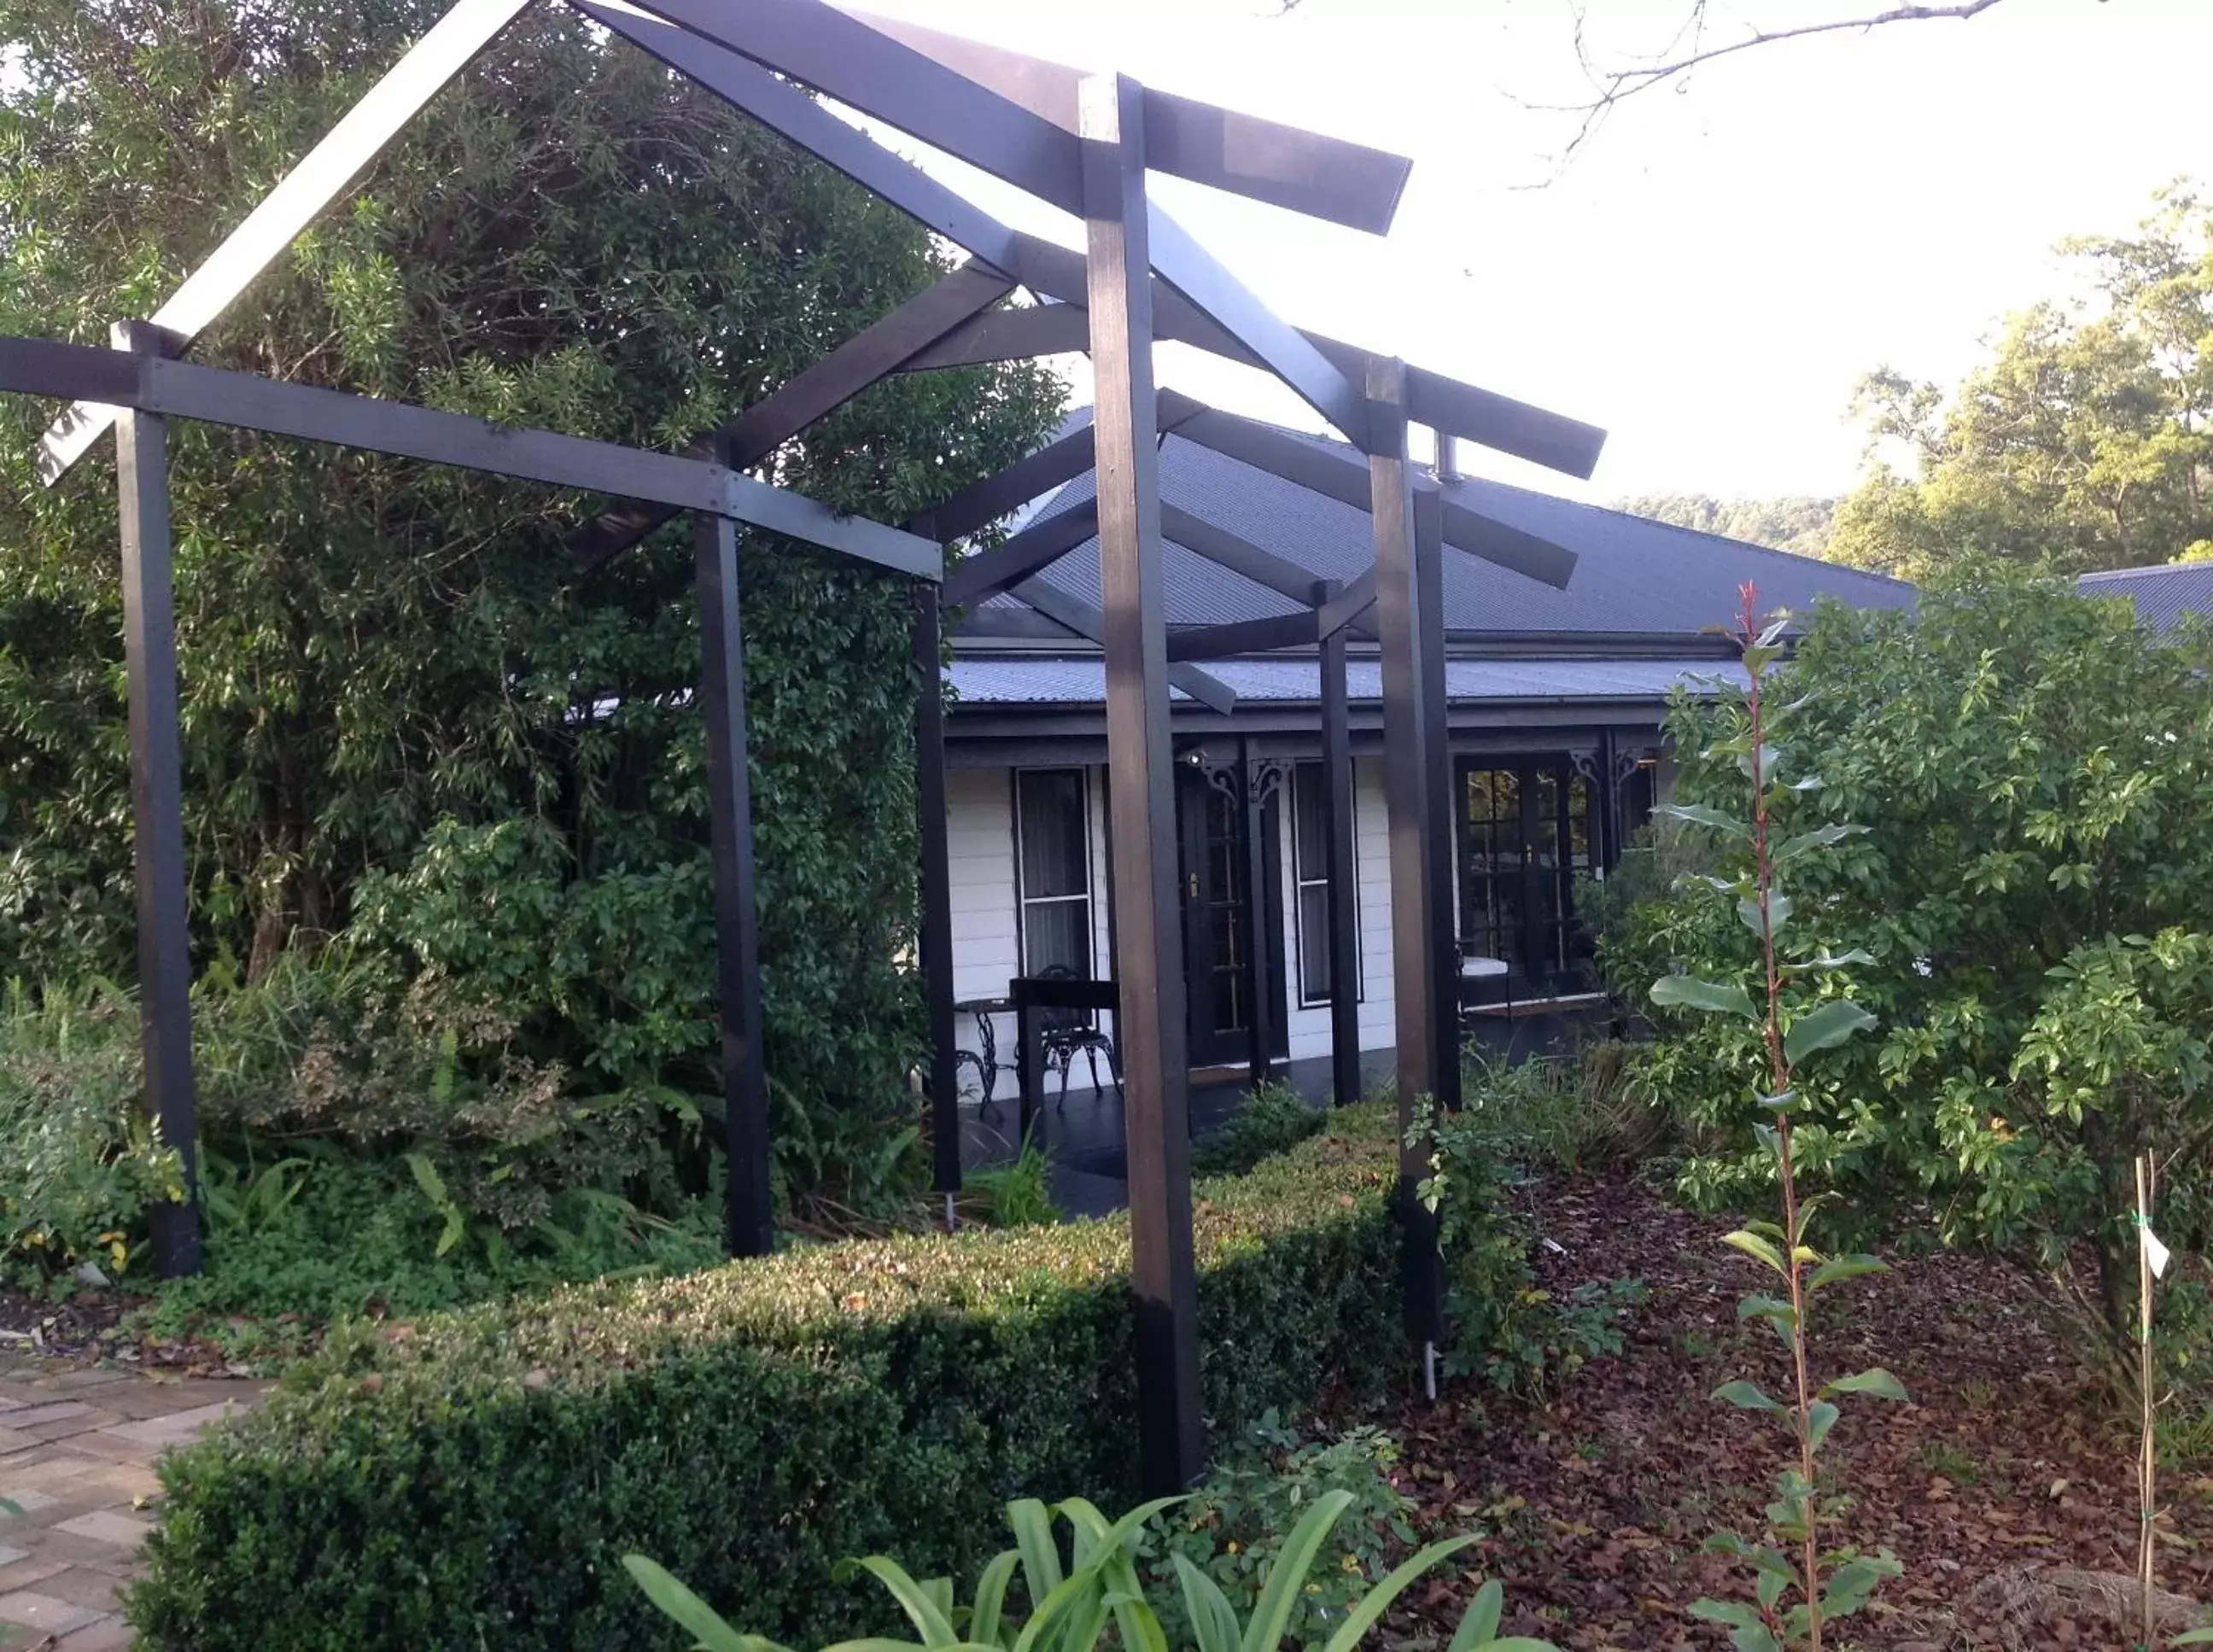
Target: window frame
(1023,900)
(1305,773)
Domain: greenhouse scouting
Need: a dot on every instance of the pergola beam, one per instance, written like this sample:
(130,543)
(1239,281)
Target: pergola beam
(1320,177)
(447,48)
(153,384)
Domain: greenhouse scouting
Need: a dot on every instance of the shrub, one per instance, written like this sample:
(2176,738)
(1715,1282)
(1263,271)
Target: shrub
(1072,1607)
(1274,1117)
(1499,1324)
(478,1481)
(1233,1527)
(2023,900)
(79,1161)
(1576,1112)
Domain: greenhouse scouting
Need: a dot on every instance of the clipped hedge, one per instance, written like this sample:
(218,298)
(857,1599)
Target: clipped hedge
(473,1483)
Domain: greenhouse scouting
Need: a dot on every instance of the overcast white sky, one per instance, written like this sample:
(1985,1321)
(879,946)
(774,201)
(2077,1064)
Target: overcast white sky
(1710,275)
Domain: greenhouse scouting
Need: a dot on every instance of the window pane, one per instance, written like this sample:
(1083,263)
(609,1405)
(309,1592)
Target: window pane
(1314,942)
(1309,823)
(1053,832)
(1057,932)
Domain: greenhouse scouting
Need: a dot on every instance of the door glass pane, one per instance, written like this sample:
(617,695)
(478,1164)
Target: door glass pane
(1053,832)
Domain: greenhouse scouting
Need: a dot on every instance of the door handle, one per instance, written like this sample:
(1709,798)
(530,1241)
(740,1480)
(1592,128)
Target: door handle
(1191,885)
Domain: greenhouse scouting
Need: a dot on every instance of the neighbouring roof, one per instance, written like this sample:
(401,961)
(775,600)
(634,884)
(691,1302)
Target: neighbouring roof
(1027,679)
(2162,594)
(1634,577)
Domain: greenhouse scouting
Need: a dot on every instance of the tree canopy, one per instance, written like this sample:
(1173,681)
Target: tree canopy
(2087,438)
(399,702)
(1796,523)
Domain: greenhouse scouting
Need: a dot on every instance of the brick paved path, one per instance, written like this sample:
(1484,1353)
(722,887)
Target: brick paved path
(76,1457)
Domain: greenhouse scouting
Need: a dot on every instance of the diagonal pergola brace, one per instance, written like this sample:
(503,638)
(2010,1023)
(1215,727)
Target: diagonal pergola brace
(1347,603)
(1035,548)
(1236,637)
(1019,333)
(321,177)
(843,58)
(1264,160)
(1227,550)
(1329,470)
(1447,405)
(1188,267)
(1089,623)
(862,361)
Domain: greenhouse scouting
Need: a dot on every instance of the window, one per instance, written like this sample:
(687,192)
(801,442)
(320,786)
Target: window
(1524,834)
(1052,868)
(1310,883)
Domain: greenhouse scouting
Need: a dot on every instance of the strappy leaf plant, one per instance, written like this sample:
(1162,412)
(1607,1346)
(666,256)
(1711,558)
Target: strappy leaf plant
(1072,1605)
(1794,1004)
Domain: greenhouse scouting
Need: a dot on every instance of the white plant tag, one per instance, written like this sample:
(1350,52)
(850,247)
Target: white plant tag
(2155,1251)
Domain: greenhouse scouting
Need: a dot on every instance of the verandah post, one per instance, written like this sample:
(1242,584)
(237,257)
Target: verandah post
(1340,861)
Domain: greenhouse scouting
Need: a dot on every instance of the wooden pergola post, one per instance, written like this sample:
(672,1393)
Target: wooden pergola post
(942,1073)
(749,1215)
(1415,931)
(157,804)
(1147,950)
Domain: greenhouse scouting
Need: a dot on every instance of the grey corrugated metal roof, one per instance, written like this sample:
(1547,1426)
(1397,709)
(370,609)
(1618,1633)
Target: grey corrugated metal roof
(2162,594)
(1633,576)
(1032,680)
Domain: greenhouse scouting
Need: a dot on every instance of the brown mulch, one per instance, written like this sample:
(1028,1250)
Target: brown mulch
(2006,1486)
(92,1327)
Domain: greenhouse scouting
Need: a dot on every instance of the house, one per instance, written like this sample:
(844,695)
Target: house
(2162,594)
(1556,700)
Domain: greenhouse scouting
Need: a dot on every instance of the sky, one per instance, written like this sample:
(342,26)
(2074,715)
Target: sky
(1708,276)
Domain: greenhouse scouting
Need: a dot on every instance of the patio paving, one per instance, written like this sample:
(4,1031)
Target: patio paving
(76,1457)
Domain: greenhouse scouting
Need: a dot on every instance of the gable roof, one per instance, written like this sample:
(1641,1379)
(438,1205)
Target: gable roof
(1634,577)
(2162,594)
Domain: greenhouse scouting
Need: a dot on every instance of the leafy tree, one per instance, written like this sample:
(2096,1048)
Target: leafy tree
(2029,780)
(369,648)
(2087,438)
(1797,523)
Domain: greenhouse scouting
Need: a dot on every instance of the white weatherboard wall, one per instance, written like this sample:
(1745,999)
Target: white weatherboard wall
(986,954)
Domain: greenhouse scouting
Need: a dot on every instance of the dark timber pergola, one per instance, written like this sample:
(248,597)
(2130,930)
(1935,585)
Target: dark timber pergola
(1083,143)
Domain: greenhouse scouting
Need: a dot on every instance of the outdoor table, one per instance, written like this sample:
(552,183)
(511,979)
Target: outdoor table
(987,1058)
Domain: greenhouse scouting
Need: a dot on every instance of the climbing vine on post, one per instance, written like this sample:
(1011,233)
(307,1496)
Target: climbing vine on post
(1797,1006)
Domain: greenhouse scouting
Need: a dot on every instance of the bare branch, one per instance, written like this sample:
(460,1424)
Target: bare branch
(1688,50)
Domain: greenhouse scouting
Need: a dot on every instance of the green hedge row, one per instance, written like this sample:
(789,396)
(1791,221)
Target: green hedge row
(473,1483)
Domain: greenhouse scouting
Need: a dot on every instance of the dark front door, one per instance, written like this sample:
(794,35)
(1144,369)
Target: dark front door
(1218,917)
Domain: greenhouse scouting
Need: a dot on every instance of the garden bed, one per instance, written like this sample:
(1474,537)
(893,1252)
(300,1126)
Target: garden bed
(2006,1470)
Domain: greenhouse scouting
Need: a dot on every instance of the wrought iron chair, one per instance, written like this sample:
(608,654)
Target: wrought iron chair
(1063,1034)
(986,1063)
